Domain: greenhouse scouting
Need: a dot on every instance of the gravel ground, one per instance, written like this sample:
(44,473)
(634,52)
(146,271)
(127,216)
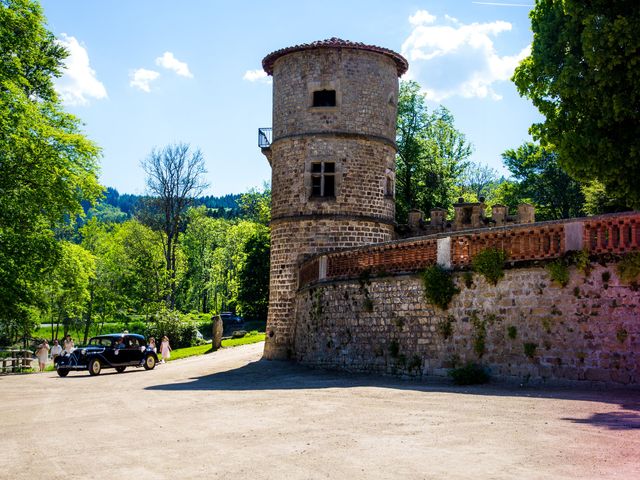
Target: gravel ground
(231,415)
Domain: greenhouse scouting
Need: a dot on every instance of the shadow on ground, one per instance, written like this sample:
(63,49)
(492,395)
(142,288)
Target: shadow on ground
(278,375)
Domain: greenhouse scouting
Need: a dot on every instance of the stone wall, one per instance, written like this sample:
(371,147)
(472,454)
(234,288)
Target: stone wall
(526,328)
(361,166)
(366,85)
(292,241)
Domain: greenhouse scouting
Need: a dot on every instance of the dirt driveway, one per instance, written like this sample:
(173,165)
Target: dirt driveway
(229,415)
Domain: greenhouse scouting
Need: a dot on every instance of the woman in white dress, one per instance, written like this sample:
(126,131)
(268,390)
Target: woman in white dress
(165,349)
(43,354)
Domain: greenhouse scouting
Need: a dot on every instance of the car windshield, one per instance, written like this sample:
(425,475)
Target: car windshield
(100,342)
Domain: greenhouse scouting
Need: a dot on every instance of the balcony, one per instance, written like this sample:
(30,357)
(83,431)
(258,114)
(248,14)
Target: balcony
(264,137)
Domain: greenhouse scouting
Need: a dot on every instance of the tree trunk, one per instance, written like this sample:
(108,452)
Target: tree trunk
(88,319)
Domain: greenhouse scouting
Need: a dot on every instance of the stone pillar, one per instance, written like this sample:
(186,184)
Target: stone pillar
(526,213)
(415,217)
(438,217)
(499,214)
(216,337)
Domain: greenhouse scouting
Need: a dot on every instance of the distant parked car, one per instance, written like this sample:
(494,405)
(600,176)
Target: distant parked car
(108,351)
(228,317)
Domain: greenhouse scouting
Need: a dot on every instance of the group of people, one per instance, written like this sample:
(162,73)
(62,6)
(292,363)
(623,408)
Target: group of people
(42,352)
(165,348)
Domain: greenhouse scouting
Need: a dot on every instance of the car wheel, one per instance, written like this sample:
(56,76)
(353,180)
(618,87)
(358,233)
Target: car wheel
(120,369)
(149,362)
(63,372)
(94,367)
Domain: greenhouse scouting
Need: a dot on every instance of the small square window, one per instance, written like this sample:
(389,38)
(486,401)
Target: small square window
(324,98)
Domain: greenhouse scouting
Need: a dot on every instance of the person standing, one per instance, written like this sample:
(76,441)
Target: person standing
(152,344)
(68,344)
(43,354)
(56,350)
(165,349)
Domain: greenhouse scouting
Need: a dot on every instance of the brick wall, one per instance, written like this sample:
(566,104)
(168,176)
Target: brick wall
(615,233)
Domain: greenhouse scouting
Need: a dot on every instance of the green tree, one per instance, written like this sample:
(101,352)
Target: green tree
(67,289)
(132,264)
(431,156)
(47,166)
(256,205)
(479,180)
(174,179)
(253,275)
(583,75)
(542,182)
(201,238)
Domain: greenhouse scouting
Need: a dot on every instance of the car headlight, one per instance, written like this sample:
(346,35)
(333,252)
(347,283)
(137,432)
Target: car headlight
(83,351)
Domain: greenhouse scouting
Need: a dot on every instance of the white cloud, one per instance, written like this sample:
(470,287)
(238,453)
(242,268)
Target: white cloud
(79,83)
(142,78)
(458,59)
(421,17)
(258,75)
(168,61)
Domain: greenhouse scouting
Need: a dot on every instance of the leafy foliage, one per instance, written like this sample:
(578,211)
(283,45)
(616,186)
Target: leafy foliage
(540,180)
(559,272)
(180,331)
(470,374)
(583,75)
(629,267)
(431,157)
(490,264)
(439,288)
(47,166)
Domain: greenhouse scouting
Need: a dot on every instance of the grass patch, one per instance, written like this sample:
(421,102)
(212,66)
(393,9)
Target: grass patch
(189,351)
(252,337)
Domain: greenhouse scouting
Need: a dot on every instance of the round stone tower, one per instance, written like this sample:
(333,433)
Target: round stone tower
(332,158)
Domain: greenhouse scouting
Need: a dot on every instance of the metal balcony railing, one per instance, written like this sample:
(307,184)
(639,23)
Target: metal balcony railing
(264,137)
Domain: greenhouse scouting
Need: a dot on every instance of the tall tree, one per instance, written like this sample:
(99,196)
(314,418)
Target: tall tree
(480,180)
(432,154)
(583,75)
(47,166)
(201,238)
(541,181)
(253,275)
(174,179)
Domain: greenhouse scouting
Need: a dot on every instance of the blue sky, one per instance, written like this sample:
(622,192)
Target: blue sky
(147,73)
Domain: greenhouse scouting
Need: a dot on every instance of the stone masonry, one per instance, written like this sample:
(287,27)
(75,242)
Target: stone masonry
(526,328)
(355,135)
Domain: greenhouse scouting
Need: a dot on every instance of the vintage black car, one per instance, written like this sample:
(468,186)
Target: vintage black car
(116,350)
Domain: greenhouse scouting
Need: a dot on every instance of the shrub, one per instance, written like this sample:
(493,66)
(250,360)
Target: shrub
(470,374)
(559,272)
(394,348)
(490,264)
(512,332)
(621,334)
(445,327)
(629,267)
(530,349)
(181,331)
(439,288)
